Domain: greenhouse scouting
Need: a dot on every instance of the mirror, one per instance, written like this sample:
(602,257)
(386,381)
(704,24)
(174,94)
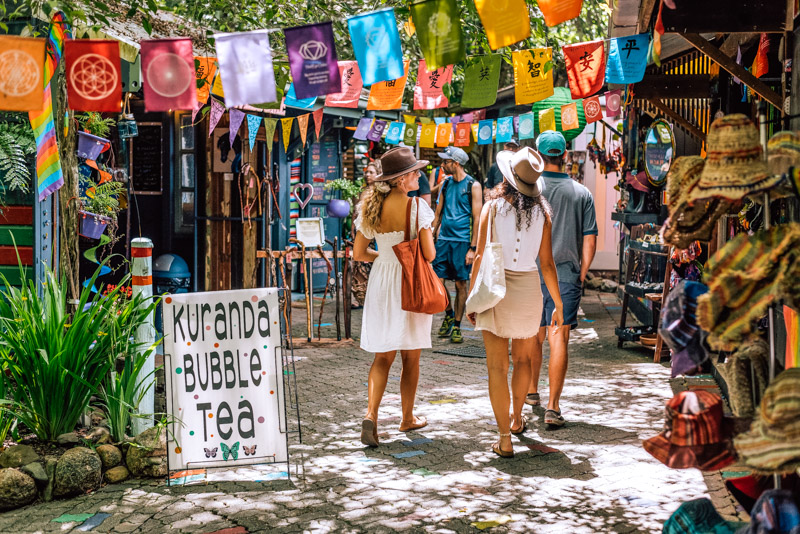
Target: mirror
(659,149)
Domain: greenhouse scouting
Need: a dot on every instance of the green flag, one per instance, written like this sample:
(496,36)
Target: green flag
(410,135)
(481,78)
(438,25)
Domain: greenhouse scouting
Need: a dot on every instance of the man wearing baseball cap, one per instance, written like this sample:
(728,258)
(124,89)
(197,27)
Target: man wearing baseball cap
(495,176)
(574,241)
(457,213)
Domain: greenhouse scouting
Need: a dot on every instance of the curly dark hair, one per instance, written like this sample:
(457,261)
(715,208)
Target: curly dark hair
(523,204)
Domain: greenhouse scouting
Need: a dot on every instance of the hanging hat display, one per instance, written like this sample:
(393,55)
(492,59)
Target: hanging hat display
(699,516)
(678,328)
(783,159)
(746,371)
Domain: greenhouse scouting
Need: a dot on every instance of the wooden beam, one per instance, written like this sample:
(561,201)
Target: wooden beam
(666,110)
(727,63)
(645,14)
(673,86)
(724,16)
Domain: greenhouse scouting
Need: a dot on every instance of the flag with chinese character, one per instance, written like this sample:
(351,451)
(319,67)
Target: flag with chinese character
(376,44)
(428,91)
(351,87)
(427,135)
(557,11)
(569,117)
(168,74)
(286,126)
(301,103)
(547,119)
(463,131)
(505,22)
(394,133)
(613,103)
(410,134)
(376,132)
(526,129)
(204,70)
(363,128)
(761,64)
(388,94)
(592,109)
(485,132)
(481,79)
(533,75)
(245,67)
(21,73)
(94,78)
(443,134)
(627,59)
(586,68)
(312,59)
(438,25)
(505,129)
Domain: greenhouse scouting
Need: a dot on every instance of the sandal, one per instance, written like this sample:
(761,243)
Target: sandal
(553,418)
(419,422)
(523,428)
(500,452)
(369,433)
(532,399)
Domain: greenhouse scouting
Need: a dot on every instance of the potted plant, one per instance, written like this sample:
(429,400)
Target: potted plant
(348,191)
(95,134)
(98,206)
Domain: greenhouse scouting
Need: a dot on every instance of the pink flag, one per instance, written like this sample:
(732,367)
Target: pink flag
(217,109)
(318,120)
(236,117)
(613,103)
(351,87)
(168,72)
(428,91)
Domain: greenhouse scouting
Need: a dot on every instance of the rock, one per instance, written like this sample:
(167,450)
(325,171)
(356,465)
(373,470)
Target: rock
(18,456)
(78,471)
(118,474)
(99,435)
(70,438)
(147,455)
(609,286)
(37,472)
(110,455)
(16,489)
(50,468)
(593,283)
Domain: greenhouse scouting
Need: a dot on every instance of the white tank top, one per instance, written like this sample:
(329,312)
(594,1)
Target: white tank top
(520,246)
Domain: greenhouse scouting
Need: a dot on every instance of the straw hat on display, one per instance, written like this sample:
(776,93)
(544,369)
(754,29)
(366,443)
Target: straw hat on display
(783,159)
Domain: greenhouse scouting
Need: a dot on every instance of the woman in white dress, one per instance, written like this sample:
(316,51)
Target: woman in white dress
(385,326)
(520,221)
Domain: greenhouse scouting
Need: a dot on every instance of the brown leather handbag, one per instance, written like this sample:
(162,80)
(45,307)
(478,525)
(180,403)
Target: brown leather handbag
(422,292)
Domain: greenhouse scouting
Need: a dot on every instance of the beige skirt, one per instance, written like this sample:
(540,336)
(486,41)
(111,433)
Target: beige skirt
(519,314)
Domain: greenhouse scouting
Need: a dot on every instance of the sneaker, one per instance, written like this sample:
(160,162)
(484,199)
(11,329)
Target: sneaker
(553,419)
(532,399)
(455,335)
(447,326)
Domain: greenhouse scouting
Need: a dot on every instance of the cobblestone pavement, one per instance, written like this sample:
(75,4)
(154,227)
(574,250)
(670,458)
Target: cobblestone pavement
(591,476)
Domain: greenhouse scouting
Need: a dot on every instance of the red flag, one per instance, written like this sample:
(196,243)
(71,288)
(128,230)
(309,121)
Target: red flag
(169,75)
(94,78)
(318,120)
(351,87)
(592,109)
(586,68)
(463,130)
(428,91)
(761,63)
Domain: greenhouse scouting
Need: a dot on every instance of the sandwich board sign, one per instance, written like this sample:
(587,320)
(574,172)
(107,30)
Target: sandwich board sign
(224,377)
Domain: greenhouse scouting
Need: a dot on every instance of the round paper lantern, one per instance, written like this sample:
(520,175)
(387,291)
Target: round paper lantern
(561,97)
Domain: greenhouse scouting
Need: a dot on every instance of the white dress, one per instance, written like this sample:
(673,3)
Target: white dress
(385,326)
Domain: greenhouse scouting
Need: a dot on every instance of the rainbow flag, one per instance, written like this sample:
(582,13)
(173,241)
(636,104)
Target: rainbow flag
(792,320)
(49,176)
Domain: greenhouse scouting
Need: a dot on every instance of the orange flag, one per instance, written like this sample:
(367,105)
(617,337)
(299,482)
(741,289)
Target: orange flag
(569,117)
(302,123)
(592,109)
(388,94)
(463,130)
(443,133)
(318,120)
(557,11)
(760,63)
(204,70)
(586,68)
(21,73)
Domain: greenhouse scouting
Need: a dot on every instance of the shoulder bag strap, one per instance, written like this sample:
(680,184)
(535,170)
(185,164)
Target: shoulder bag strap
(416,223)
(408,220)
(493,236)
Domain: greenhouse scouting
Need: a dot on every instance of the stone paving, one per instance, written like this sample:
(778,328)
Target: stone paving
(590,476)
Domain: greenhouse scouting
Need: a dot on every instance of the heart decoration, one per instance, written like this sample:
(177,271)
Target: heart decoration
(296,192)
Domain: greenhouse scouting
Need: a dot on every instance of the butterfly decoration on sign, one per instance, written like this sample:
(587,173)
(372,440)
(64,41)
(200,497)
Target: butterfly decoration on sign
(249,451)
(211,453)
(230,452)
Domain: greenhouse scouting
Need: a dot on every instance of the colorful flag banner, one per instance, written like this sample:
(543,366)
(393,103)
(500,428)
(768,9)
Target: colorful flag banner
(376,132)
(22,73)
(592,109)
(516,123)
(557,11)
(214,115)
(428,91)
(463,130)
(269,129)
(506,22)
(738,62)
(312,60)
(168,74)
(478,115)
(235,119)
(438,25)
(613,103)
(93,75)
(443,134)
(474,127)
(427,136)
(481,79)
(388,94)
(376,44)
(547,119)
(439,120)
(410,134)
(526,129)
(761,64)
(204,70)
(253,124)
(569,117)
(363,128)
(245,67)
(586,68)
(351,87)
(531,82)
(395,133)
(505,129)
(302,123)
(286,127)
(216,87)
(485,131)
(409,119)
(293,102)
(318,116)
(627,59)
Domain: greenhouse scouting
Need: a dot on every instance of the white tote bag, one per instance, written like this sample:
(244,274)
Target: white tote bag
(490,283)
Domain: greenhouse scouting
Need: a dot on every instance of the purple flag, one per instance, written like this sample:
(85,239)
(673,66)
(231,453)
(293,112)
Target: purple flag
(376,133)
(236,117)
(312,59)
(363,128)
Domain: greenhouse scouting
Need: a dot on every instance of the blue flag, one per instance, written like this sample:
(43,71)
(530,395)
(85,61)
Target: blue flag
(505,129)
(627,59)
(253,124)
(376,43)
(303,103)
(395,133)
(485,128)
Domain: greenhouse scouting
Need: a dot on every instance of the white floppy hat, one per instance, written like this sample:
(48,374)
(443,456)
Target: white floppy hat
(523,170)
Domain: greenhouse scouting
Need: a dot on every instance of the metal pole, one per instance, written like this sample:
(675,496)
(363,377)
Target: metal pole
(145,336)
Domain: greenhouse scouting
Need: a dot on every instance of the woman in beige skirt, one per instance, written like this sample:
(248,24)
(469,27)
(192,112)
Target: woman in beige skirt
(520,218)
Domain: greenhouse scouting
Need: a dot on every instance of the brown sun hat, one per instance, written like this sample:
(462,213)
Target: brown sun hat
(523,170)
(734,165)
(397,162)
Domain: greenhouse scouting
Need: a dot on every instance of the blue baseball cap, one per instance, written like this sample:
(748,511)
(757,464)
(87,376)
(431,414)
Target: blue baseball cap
(456,154)
(551,143)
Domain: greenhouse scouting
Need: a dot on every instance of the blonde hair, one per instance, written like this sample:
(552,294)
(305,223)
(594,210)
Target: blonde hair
(371,205)
(376,163)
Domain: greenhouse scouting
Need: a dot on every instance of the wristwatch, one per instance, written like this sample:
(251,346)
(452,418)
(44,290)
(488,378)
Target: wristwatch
(473,248)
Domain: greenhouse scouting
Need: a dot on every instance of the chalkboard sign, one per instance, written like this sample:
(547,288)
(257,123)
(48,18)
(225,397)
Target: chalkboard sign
(324,165)
(147,161)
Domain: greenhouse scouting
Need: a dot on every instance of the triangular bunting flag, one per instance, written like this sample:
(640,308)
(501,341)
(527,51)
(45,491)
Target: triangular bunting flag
(269,129)
(195,111)
(217,109)
(318,120)
(286,126)
(253,124)
(302,123)
(236,118)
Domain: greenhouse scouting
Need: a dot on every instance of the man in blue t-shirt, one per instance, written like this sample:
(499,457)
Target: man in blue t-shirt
(458,210)
(574,240)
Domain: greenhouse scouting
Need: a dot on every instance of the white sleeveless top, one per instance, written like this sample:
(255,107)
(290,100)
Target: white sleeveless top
(520,247)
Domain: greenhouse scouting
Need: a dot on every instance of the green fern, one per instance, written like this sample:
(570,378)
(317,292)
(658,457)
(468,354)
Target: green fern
(16,144)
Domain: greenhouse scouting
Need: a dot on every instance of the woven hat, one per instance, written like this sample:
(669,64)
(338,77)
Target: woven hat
(397,162)
(783,152)
(773,442)
(695,433)
(734,167)
(745,372)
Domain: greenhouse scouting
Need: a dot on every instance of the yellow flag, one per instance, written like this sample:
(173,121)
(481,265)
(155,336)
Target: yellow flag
(547,119)
(505,21)
(427,136)
(474,127)
(286,125)
(569,117)
(216,89)
(409,119)
(531,82)
(302,123)
(443,133)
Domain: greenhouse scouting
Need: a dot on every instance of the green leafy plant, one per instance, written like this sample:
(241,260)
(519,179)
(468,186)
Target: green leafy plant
(6,417)
(348,189)
(104,199)
(95,124)
(16,144)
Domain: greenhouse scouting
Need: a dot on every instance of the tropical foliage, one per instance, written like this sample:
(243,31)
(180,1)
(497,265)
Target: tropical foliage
(16,146)
(102,199)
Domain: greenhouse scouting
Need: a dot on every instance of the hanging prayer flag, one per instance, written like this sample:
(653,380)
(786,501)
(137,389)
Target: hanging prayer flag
(312,59)
(474,127)
(505,22)
(463,130)
(168,74)
(516,123)
(293,102)
(302,123)
(204,70)
(394,133)
(351,87)
(409,119)
(557,11)
(569,117)
(216,87)
(443,134)
(466,117)
(389,94)
(21,73)
(376,132)
(658,31)
(410,134)
(253,124)
(269,129)
(214,115)
(428,91)
(376,44)
(613,103)
(286,127)
(485,131)
(318,113)
(505,129)
(586,68)
(427,136)
(235,119)
(547,119)
(438,24)
(481,79)
(738,62)
(533,75)
(93,75)
(363,128)
(592,109)
(439,120)
(245,67)
(526,126)
(627,59)
(761,64)
(479,115)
